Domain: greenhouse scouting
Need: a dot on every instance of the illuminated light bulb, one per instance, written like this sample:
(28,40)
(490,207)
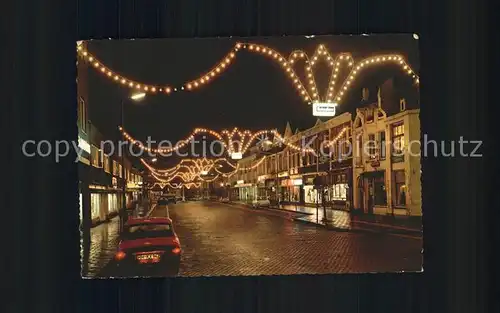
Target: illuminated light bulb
(303,92)
(309,75)
(311,81)
(341,93)
(153,89)
(146,88)
(352,77)
(331,63)
(251,47)
(196,84)
(103,69)
(123,81)
(212,74)
(281,59)
(409,71)
(238,45)
(189,86)
(258,48)
(341,57)
(223,65)
(345,88)
(405,67)
(315,58)
(275,55)
(330,94)
(264,50)
(296,81)
(138,86)
(335,75)
(336,69)
(357,67)
(331,88)
(270,52)
(91,59)
(116,77)
(218,70)
(232,54)
(168,90)
(131,84)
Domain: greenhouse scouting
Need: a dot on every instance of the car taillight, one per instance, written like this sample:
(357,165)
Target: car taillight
(176,250)
(120,255)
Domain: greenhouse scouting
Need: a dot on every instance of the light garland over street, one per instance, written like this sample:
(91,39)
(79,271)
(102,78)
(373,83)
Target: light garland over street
(309,95)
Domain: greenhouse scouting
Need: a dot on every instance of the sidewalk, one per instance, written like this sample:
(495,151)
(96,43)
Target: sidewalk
(343,220)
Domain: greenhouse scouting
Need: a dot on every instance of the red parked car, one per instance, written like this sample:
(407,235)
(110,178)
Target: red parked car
(148,247)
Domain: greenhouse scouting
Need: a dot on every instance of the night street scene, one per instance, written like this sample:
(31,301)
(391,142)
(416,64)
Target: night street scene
(249,156)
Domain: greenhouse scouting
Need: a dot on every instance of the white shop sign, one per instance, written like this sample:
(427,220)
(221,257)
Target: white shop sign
(324,109)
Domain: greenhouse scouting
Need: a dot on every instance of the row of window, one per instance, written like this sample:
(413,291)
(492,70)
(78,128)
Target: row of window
(377,189)
(377,143)
(283,161)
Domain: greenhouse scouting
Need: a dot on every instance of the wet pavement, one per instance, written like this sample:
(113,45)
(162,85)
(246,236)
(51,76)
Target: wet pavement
(220,239)
(227,240)
(103,244)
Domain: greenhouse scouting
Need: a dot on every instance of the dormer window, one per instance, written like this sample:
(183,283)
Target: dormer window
(369,115)
(402,104)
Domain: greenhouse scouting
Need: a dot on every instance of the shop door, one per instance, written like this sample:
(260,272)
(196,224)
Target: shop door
(370,196)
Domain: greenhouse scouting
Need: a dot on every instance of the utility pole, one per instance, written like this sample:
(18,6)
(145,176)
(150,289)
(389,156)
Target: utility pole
(277,178)
(317,183)
(124,182)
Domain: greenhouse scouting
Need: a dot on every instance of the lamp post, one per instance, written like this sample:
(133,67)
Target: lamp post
(135,97)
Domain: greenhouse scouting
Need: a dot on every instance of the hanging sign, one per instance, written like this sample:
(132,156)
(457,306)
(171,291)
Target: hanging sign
(324,109)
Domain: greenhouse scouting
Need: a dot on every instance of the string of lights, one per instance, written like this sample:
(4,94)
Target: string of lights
(184,142)
(313,95)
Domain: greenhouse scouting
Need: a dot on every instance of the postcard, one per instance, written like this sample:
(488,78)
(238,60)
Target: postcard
(249,156)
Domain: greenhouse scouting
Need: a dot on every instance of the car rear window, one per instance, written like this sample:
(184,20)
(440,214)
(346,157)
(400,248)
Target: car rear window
(148,231)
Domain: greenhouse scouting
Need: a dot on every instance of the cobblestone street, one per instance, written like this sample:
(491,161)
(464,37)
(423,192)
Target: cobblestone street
(226,240)
(219,239)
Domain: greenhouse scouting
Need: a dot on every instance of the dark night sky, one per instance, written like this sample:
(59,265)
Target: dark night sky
(253,93)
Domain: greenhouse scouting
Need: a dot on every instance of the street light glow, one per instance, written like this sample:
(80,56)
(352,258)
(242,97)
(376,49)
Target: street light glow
(138,96)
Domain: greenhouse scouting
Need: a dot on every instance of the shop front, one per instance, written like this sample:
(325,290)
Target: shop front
(310,193)
(297,189)
(247,191)
(372,192)
(339,188)
(272,190)
(263,191)
(283,182)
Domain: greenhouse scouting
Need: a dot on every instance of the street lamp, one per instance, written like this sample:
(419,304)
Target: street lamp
(138,96)
(135,97)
